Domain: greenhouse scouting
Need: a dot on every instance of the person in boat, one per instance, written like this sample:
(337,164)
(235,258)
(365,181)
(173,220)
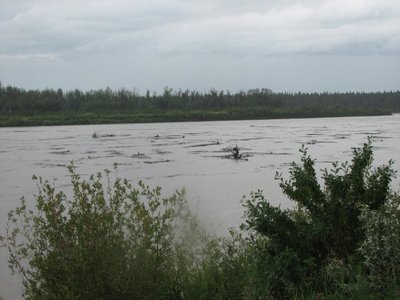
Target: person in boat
(235,152)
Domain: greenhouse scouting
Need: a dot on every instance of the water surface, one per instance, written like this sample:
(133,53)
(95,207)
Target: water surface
(191,155)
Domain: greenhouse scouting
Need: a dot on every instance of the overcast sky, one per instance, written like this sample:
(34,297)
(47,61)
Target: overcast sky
(285,45)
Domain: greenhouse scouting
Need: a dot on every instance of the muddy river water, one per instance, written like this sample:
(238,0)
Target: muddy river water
(194,155)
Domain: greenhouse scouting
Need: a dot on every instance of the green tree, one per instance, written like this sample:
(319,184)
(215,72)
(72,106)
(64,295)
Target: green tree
(381,247)
(325,224)
(109,241)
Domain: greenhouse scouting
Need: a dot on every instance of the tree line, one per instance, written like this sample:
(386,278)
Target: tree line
(18,101)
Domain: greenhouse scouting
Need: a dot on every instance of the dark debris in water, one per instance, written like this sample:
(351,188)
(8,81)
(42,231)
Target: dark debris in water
(157,161)
(271,153)
(93,157)
(165,144)
(174,175)
(325,162)
(313,142)
(204,145)
(242,157)
(199,152)
(52,165)
(125,164)
(115,153)
(96,135)
(264,126)
(162,152)
(249,139)
(168,137)
(230,149)
(380,137)
(271,166)
(199,133)
(90,152)
(315,134)
(63,152)
(140,156)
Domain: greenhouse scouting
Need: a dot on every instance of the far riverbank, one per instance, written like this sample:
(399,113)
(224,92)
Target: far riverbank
(180,115)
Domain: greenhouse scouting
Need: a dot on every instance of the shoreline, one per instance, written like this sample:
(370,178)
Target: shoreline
(96,118)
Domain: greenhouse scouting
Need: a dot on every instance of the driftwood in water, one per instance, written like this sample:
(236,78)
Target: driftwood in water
(236,155)
(95,135)
(235,152)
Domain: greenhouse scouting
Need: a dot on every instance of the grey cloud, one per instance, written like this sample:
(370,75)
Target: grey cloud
(329,27)
(60,27)
(234,27)
(297,44)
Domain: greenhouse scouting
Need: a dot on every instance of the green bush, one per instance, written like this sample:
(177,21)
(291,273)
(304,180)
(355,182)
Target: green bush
(325,224)
(110,240)
(103,242)
(223,272)
(381,248)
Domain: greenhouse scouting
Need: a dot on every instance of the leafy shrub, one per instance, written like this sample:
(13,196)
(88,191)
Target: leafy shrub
(381,248)
(103,242)
(325,223)
(115,241)
(223,271)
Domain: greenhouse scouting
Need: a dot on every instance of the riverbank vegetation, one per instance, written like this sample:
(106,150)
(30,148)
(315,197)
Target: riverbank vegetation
(109,239)
(19,107)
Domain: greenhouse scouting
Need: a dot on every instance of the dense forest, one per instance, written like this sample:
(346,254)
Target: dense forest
(43,107)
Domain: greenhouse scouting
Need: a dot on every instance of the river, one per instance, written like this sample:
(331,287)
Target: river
(191,155)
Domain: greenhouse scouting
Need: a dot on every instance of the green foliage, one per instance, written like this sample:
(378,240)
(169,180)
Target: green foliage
(381,248)
(106,239)
(102,243)
(19,107)
(326,223)
(223,272)
(110,240)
